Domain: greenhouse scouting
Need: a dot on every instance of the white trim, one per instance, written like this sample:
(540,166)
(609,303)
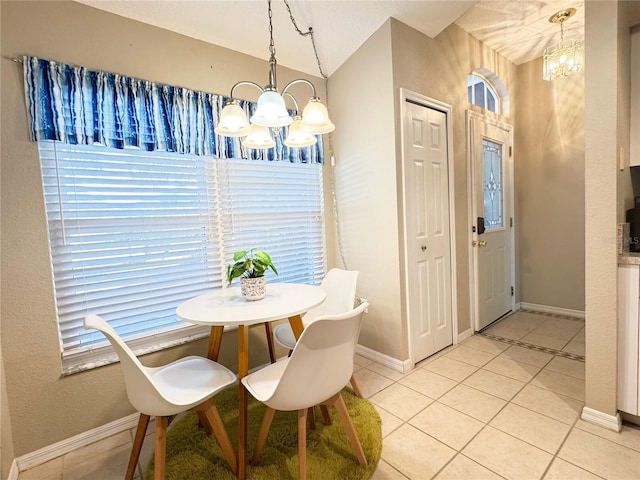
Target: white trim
(611,422)
(402,366)
(464,335)
(550,309)
(63,447)
(13,471)
(470,117)
(428,102)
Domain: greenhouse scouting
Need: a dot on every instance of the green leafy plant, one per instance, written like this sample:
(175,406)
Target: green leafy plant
(250,264)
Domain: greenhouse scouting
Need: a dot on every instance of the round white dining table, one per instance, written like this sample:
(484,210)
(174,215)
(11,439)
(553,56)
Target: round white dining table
(226,307)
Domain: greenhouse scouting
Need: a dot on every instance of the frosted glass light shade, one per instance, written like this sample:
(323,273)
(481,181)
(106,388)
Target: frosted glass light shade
(271,111)
(298,135)
(259,138)
(233,122)
(316,118)
(562,60)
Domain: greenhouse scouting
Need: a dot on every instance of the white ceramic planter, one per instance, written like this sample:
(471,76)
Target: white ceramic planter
(253,288)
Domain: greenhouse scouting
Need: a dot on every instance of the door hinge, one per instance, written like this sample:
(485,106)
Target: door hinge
(510,150)
(512,291)
(511,221)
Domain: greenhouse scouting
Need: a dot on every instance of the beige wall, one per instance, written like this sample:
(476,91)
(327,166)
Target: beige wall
(6,436)
(44,407)
(549,176)
(362,106)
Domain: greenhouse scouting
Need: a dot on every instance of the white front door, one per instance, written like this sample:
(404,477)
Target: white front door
(428,242)
(492,219)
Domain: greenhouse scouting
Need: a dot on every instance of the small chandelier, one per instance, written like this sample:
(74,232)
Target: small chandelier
(271,112)
(565,58)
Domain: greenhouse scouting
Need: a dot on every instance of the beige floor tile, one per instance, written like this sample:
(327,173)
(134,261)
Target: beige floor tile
(414,453)
(506,331)
(559,383)
(400,401)
(97,448)
(362,361)
(370,382)
(526,355)
(544,340)
(600,456)
(389,421)
(566,366)
(485,344)
(387,372)
(548,330)
(561,470)
(502,365)
(475,403)
(428,383)
(494,384)
(522,319)
(564,324)
(384,471)
(507,455)
(534,428)
(576,345)
(463,468)
(450,368)
(51,470)
(447,425)
(110,465)
(471,356)
(629,436)
(146,453)
(549,403)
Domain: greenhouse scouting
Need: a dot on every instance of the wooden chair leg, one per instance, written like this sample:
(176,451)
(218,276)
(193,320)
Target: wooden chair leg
(325,414)
(141,430)
(345,419)
(312,418)
(302,443)
(262,434)
(211,417)
(356,387)
(161,448)
(269,334)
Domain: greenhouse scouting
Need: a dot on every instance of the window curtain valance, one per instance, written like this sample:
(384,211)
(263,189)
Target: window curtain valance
(76,105)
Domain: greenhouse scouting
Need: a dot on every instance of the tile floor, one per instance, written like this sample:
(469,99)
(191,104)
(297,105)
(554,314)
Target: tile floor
(502,404)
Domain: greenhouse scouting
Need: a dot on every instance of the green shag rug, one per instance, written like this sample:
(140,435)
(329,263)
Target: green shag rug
(192,455)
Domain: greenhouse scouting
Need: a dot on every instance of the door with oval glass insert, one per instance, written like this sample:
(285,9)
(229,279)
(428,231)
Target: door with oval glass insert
(491,231)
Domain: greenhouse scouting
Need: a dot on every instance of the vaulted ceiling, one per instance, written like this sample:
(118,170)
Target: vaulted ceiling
(518,29)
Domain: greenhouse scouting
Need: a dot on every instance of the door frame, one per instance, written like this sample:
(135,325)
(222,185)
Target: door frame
(471,117)
(416,98)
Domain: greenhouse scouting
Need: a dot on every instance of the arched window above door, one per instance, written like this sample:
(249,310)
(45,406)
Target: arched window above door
(487,91)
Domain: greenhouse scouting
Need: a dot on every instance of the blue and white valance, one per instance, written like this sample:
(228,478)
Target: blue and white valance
(76,105)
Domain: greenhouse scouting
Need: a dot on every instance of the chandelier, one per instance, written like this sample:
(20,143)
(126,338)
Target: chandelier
(271,113)
(565,58)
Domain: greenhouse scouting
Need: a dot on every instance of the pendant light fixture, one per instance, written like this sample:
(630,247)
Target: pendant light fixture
(565,58)
(271,111)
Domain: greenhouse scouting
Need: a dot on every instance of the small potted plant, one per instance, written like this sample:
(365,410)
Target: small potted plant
(250,266)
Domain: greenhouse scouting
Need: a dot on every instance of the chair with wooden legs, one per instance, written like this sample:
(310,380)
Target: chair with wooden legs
(319,367)
(162,392)
(340,287)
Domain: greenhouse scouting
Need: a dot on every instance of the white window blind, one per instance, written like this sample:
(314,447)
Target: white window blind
(133,234)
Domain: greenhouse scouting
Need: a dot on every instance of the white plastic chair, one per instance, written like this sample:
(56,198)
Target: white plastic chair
(319,367)
(340,287)
(162,392)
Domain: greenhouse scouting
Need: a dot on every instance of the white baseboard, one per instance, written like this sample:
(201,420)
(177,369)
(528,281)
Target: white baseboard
(13,471)
(393,363)
(611,422)
(549,309)
(464,335)
(63,447)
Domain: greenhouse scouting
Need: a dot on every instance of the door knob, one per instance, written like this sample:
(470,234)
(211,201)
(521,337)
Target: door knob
(423,248)
(479,244)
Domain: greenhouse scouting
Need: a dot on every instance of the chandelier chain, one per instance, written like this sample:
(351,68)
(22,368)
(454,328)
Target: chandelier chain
(305,34)
(272,45)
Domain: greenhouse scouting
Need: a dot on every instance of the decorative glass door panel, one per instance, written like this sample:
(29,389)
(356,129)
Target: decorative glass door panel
(493,184)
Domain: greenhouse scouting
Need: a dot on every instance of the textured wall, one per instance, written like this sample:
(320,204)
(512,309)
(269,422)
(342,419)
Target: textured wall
(44,407)
(549,175)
